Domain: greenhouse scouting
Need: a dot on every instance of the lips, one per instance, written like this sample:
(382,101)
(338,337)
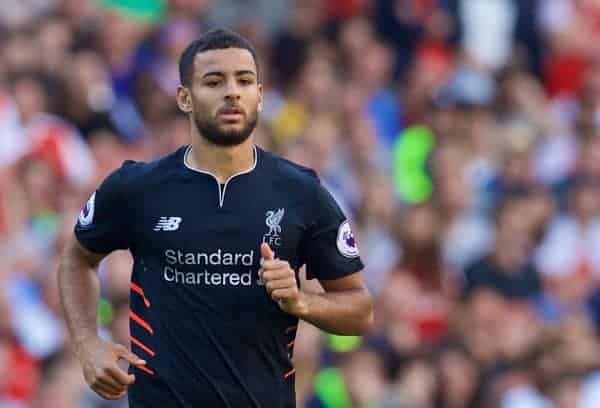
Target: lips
(231,115)
(230,111)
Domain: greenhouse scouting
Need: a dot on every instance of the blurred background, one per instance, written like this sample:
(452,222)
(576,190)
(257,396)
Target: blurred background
(462,137)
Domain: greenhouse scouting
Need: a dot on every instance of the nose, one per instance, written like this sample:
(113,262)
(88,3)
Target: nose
(232,92)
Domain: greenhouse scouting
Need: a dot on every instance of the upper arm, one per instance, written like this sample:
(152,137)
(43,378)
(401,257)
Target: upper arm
(331,250)
(361,298)
(349,282)
(74,251)
(104,225)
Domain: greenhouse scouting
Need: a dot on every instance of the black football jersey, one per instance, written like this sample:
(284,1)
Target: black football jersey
(199,313)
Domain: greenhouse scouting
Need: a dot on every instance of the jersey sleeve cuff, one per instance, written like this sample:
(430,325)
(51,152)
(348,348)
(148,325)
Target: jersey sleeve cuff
(89,244)
(330,273)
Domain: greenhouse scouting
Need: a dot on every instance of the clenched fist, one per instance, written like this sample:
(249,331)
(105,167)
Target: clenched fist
(99,360)
(280,281)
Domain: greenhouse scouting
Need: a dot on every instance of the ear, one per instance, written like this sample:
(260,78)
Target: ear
(260,97)
(184,99)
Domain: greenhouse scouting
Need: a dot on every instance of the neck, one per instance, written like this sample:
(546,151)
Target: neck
(221,161)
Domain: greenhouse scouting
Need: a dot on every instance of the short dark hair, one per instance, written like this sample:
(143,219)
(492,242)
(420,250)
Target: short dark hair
(215,39)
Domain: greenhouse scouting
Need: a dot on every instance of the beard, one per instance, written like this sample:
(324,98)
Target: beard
(210,130)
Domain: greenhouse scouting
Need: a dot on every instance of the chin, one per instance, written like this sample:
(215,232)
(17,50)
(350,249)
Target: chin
(232,127)
(231,139)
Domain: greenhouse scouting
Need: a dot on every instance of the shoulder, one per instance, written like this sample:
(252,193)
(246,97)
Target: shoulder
(290,172)
(299,183)
(139,175)
(303,184)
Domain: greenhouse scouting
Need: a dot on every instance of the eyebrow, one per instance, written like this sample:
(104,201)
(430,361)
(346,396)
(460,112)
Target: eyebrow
(237,73)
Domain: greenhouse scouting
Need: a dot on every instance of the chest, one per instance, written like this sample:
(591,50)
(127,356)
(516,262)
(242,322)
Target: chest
(191,218)
(197,256)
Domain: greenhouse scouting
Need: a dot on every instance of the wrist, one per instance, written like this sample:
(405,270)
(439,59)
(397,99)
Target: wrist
(80,343)
(302,306)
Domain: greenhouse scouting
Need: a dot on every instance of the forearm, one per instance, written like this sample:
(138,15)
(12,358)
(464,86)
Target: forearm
(79,292)
(348,312)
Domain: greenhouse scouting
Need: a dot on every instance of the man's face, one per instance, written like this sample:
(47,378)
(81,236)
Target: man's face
(225,95)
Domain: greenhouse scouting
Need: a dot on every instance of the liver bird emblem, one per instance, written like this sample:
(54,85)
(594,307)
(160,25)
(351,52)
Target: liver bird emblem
(273,219)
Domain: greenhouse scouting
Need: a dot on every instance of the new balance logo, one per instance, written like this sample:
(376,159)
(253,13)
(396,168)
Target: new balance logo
(168,224)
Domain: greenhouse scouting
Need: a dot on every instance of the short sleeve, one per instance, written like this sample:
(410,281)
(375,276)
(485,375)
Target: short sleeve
(102,225)
(331,247)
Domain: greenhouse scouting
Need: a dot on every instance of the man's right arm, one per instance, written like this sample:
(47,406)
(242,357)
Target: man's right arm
(79,293)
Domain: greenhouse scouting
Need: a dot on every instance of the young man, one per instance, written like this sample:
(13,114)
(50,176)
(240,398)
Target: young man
(218,231)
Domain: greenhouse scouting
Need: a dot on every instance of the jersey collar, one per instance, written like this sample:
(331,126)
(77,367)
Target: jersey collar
(248,170)
(221,187)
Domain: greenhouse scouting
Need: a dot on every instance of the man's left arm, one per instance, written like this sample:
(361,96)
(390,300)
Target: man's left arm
(344,308)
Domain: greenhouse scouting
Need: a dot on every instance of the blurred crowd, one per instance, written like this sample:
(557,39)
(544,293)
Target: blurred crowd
(461,137)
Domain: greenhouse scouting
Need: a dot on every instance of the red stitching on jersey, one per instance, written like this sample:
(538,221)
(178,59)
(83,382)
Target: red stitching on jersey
(145,369)
(140,321)
(137,289)
(290,329)
(142,346)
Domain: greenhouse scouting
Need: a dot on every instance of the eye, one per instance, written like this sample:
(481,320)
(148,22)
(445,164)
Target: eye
(212,83)
(246,81)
